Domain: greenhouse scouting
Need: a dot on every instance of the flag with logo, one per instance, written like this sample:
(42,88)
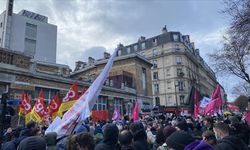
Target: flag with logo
(53,107)
(84,89)
(25,104)
(81,109)
(46,117)
(39,109)
(69,100)
(21,110)
(116,114)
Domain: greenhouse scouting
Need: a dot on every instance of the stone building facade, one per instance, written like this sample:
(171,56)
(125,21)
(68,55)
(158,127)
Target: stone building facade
(177,66)
(130,73)
(19,73)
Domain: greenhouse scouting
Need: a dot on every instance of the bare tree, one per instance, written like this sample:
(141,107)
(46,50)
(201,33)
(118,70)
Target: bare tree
(241,89)
(234,57)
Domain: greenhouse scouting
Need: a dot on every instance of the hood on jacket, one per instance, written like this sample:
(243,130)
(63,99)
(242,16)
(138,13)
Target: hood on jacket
(199,145)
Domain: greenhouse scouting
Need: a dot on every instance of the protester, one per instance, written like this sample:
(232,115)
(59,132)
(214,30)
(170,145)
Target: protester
(209,137)
(110,138)
(225,141)
(125,139)
(32,143)
(178,140)
(50,140)
(85,141)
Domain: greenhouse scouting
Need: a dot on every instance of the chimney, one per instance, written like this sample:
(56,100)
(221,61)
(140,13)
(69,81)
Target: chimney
(106,55)
(164,29)
(80,65)
(120,45)
(91,60)
(142,38)
(192,45)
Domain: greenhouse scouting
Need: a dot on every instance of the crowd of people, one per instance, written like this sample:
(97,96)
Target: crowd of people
(149,133)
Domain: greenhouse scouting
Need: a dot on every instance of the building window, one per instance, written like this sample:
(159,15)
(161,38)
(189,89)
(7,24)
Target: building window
(175,37)
(177,47)
(143,79)
(48,94)
(101,103)
(170,99)
(29,46)
(30,31)
(169,84)
(157,101)
(128,50)
(154,64)
(1,25)
(155,75)
(181,86)
(155,52)
(182,97)
(135,47)
(156,88)
(168,72)
(118,104)
(178,60)
(143,45)
(179,71)
(155,42)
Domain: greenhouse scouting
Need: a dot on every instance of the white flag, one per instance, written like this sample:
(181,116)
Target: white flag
(81,109)
(204,102)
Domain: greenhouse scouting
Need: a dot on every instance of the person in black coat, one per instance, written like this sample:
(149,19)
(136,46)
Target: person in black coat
(110,138)
(226,141)
(140,136)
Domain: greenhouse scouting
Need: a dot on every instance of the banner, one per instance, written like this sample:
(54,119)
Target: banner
(99,115)
(116,114)
(81,109)
(204,102)
(135,114)
(69,100)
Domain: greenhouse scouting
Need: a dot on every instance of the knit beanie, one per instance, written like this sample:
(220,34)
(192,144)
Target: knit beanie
(178,140)
(32,143)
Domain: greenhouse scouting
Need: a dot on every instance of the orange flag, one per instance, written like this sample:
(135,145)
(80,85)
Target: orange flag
(21,110)
(53,107)
(69,99)
(39,109)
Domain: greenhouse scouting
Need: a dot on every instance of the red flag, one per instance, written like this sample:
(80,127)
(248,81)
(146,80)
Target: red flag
(53,107)
(217,96)
(211,107)
(247,118)
(39,108)
(26,107)
(135,114)
(46,117)
(196,104)
(84,89)
(69,99)
(21,110)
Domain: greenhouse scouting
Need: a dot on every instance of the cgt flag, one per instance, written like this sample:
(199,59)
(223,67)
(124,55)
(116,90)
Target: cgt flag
(69,100)
(21,110)
(135,114)
(81,109)
(39,109)
(53,107)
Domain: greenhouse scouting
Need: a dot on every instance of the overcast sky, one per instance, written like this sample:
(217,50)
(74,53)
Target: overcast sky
(90,27)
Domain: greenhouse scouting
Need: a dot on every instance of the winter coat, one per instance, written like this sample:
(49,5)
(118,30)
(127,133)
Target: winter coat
(231,143)
(199,145)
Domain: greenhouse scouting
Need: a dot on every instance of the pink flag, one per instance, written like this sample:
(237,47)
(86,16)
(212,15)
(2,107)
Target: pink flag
(135,114)
(116,114)
(211,107)
(217,96)
(196,104)
(247,118)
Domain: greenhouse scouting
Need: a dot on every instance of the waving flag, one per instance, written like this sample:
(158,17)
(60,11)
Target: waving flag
(53,107)
(217,97)
(39,109)
(81,109)
(21,110)
(196,104)
(84,89)
(116,114)
(46,117)
(69,99)
(135,114)
(26,106)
